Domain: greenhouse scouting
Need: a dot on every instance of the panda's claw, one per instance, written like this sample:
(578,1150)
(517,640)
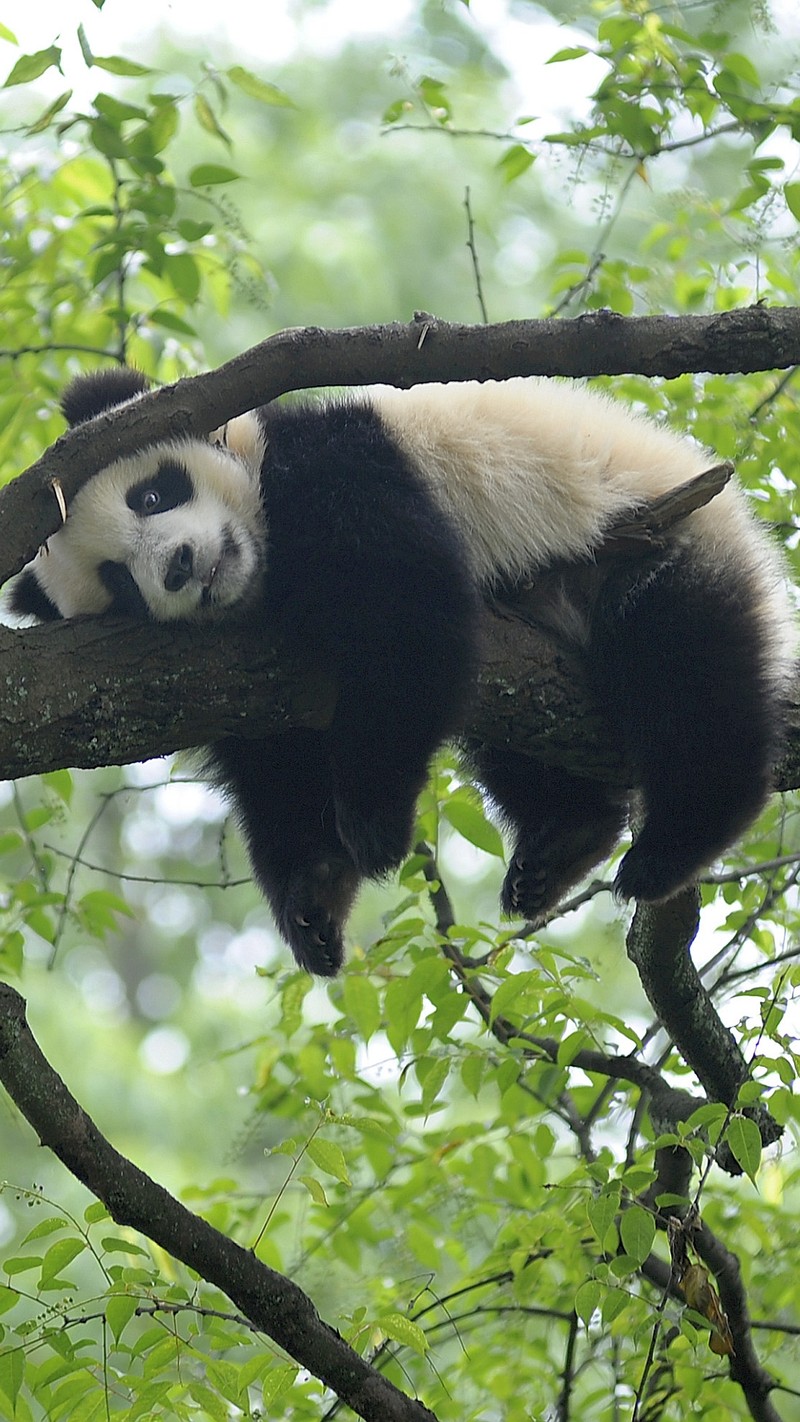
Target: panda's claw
(313,910)
(549,860)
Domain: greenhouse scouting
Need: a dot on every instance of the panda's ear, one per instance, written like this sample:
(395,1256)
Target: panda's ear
(27,598)
(245,437)
(89,395)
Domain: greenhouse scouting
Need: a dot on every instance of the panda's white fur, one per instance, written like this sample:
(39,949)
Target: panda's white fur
(364,528)
(534,471)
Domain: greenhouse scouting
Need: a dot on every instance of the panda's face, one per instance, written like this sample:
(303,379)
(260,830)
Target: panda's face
(174,532)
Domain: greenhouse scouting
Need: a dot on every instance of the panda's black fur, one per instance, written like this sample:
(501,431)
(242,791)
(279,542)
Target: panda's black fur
(366,531)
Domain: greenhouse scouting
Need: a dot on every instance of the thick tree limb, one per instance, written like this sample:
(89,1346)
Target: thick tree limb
(599,343)
(745,1365)
(100,692)
(658,942)
(273,1303)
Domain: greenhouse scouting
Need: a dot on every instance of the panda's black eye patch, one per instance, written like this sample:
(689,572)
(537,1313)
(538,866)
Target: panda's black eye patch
(167,488)
(126,598)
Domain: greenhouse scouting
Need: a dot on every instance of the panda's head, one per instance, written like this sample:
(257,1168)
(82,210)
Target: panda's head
(175,531)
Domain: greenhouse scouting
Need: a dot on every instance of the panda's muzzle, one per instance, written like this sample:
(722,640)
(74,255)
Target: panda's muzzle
(180,568)
(211,571)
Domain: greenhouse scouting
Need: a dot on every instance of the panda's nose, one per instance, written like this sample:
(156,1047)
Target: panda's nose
(180,568)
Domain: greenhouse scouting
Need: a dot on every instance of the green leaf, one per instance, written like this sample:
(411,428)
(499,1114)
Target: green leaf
(208,120)
(293,996)
(45,119)
(602,1212)
(163,126)
(114,1245)
(744,1139)
(515,161)
(570,1045)
(88,57)
(577,51)
(367,1125)
(432,1073)
(21,1264)
(193,231)
(259,89)
(113,64)
(119,1311)
(278,1381)
(403,1330)
(402,1006)
(12,1372)
(108,139)
(613,1304)
(183,274)
(205,175)
(587,1300)
(51,1225)
(314,1188)
(712,1114)
(115,110)
(743,68)
(434,95)
(210,1401)
(637,1230)
(58,1257)
(462,812)
(32,66)
(60,782)
(792,194)
(510,992)
(95,1212)
(362,1003)
(329,1158)
(472,1073)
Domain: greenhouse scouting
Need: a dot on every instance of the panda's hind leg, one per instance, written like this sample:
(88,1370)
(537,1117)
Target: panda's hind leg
(679,655)
(562,824)
(282,795)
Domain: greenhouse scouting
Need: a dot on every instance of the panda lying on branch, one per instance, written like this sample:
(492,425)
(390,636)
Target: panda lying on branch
(366,530)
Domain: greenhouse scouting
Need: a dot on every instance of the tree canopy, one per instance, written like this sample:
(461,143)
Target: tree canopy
(486,1173)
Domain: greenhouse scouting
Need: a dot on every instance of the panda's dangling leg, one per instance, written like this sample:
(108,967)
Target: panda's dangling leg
(406,684)
(679,655)
(563,826)
(282,795)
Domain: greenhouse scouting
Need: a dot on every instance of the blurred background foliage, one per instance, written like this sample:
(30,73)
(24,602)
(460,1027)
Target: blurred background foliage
(171,201)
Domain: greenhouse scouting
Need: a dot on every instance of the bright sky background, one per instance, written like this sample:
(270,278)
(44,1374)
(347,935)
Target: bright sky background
(268,33)
(271,32)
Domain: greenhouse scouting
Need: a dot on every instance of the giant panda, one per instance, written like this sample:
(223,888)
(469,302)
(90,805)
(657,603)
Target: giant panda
(366,531)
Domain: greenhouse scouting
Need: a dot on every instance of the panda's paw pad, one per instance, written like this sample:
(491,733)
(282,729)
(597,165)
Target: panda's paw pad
(525,891)
(316,905)
(315,939)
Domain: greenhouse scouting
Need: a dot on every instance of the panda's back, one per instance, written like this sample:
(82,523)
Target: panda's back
(534,470)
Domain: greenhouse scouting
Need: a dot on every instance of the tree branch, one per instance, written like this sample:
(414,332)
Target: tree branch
(598,343)
(273,1304)
(97,691)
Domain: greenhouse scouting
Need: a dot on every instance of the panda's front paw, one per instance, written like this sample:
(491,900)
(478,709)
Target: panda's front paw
(549,859)
(654,869)
(313,913)
(315,939)
(526,892)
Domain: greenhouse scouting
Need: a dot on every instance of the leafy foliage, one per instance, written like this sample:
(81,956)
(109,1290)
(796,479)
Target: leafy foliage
(450,1147)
